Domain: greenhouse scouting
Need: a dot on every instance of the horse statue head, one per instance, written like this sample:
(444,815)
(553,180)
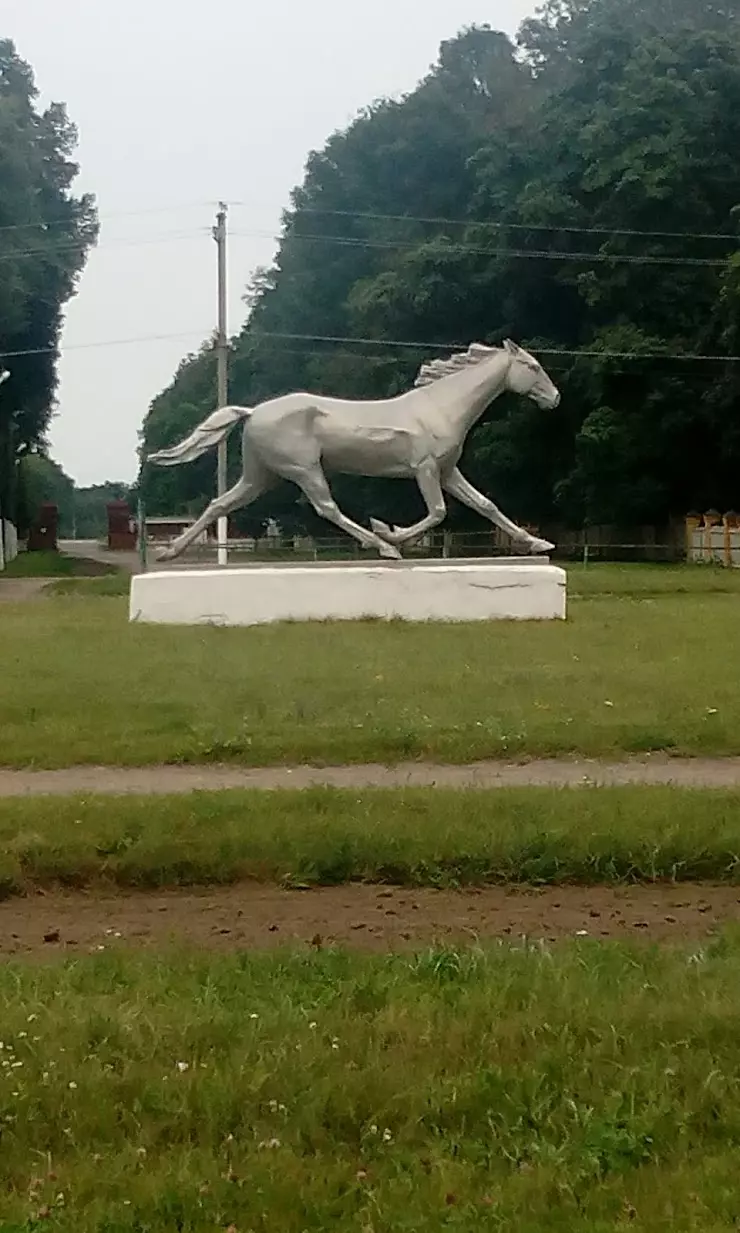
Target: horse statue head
(528,378)
(524,375)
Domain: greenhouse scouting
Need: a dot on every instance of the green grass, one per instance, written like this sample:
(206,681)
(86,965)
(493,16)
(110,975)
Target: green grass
(651,581)
(53,565)
(647,661)
(416,836)
(84,588)
(586,1089)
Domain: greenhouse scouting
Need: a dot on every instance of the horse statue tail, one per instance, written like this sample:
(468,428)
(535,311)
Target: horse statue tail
(214,429)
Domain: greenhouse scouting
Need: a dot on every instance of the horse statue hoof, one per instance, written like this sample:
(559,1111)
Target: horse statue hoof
(389,535)
(390,552)
(540,547)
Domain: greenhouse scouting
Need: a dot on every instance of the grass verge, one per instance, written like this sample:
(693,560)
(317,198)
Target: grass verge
(644,663)
(588,1089)
(54,565)
(83,588)
(417,836)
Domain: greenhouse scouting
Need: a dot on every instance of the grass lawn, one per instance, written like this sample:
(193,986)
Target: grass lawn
(421,836)
(54,565)
(106,586)
(586,1089)
(647,661)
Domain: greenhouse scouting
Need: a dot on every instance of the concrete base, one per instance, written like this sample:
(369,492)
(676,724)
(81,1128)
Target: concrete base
(516,589)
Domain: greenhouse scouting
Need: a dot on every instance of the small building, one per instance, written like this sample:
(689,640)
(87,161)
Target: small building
(164,530)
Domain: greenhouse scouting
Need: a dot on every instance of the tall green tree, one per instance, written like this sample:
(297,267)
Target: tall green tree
(45,234)
(401,158)
(90,519)
(82,511)
(42,481)
(574,191)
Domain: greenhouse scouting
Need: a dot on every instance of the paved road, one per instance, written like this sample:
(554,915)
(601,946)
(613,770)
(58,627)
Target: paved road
(90,549)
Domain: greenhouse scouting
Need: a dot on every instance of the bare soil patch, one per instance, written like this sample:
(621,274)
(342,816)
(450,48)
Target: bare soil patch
(368,918)
(18,590)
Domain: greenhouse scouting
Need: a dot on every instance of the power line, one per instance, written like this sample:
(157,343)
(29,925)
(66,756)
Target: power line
(734,237)
(473,250)
(112,342)
(44,224)
(371,216)
(51,250)
(437,346)
(461,247)
(355,242)
(313,352)
(400,344)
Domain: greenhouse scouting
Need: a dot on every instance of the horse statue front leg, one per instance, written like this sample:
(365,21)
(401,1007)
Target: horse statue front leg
(457,486)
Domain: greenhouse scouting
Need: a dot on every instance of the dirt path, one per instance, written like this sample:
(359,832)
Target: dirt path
(110,780)
(18,590)
(363,917)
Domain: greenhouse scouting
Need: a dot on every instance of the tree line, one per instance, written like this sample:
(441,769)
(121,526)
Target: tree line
(82,511)
(577,189)
(45,234)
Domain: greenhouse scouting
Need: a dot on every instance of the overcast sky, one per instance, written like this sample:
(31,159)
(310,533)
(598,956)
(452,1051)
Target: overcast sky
(180,103)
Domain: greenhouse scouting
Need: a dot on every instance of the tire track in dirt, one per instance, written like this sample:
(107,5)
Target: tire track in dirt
(368,918)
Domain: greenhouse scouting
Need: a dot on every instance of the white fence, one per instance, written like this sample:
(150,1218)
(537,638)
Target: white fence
(8,543)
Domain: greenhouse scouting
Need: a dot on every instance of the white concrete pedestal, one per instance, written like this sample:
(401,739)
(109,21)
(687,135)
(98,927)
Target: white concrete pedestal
(517,589)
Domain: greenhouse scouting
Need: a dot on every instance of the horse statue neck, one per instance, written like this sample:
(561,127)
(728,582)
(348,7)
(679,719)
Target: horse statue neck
(463,386)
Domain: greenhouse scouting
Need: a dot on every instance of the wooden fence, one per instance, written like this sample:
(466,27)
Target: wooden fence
(713,539)
(710,537)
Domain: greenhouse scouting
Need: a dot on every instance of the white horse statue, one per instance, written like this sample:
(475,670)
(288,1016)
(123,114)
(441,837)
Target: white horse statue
(419,434)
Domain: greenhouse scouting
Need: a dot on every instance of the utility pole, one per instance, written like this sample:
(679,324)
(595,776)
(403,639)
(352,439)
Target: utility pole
(4,375)
(222,358)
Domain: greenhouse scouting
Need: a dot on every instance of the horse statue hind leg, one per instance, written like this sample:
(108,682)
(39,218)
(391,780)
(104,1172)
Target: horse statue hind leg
(255,481)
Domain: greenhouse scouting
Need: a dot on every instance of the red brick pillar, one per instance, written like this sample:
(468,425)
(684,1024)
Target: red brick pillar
(121,530)
(43,534)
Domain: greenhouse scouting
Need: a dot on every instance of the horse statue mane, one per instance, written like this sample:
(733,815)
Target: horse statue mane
(436,370)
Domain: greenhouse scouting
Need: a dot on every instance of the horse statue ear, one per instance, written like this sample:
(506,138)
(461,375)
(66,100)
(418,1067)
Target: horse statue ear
(511,347)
